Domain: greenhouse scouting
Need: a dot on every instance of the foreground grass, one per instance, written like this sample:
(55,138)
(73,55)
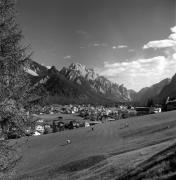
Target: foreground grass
(103,153)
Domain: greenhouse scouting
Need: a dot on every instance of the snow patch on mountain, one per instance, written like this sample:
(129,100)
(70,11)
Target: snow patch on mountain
(48,67)
(31,72)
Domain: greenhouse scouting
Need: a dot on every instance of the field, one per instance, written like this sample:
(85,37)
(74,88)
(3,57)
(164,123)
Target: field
(108,152)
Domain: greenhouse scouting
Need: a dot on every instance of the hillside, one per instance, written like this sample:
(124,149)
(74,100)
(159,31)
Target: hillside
(169,90)
(98,151)
(160,166)
(158,92)
(151,92)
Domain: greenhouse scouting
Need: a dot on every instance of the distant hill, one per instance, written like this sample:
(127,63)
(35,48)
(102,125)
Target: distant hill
(158,92)
(169,90)
(152,92)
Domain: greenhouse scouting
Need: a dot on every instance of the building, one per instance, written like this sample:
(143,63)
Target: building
(142,110)
(40,128)
(170,104)
(86,124)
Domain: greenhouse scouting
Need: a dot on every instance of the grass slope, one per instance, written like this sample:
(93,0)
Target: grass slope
(160,166)
(48,156)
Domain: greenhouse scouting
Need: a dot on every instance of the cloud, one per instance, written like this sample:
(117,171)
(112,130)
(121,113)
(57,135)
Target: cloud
(136,66)
(67,57)
(119,47)
(97,45)
(170,42)
(173,29)
(174,56)
(131,50)
(172,36)
(166,43)
(141,72)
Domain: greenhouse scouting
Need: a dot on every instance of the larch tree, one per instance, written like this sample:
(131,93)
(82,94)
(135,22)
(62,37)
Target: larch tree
(14,84)
(13,81)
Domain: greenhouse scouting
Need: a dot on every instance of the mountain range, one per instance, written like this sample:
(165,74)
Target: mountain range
(77,84)
(80,84)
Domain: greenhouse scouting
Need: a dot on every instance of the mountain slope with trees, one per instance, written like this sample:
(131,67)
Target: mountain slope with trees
(153,92)
(169,90)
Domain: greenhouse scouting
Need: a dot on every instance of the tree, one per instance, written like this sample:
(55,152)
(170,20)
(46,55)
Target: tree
(150,103)
(164,103)
(13,80)
(14,84)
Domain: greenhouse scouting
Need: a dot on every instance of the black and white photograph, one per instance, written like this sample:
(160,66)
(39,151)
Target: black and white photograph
(87,89)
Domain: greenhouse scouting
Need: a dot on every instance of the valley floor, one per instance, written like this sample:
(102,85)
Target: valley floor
(111,151)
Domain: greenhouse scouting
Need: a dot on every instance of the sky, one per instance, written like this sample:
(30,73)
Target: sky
(131,42)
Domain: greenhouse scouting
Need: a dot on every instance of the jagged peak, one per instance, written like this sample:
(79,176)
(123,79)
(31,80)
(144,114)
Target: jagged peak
(81,71)
(80,67)
(77,66)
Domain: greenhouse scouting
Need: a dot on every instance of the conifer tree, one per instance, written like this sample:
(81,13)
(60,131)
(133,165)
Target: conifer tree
(14,83)
(150,103)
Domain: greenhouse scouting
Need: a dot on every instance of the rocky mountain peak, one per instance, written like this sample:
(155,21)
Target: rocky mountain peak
(77,70)
(82,75)
(77,67)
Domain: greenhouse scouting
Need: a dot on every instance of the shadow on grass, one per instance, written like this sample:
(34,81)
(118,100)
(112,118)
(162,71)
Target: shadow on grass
(81,164)
(63,170)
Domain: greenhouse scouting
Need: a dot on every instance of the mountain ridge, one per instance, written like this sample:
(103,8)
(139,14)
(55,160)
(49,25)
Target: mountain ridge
(77,84)
(80,84)
(83,75)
